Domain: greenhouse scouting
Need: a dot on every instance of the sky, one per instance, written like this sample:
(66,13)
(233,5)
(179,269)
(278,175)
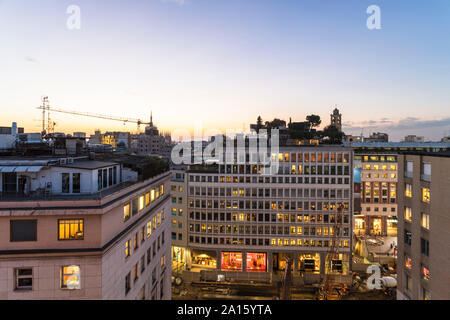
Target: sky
(223,63)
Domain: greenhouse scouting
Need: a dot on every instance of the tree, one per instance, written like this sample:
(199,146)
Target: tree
(333,134)
(259,124)
(314,120)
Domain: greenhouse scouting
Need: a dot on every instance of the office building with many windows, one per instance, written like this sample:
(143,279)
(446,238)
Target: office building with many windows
(244,224)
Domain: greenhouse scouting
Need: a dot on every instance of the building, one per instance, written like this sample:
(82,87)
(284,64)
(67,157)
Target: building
(424,238)
(245,225)
(377,137)
(414,138)
(118,140)
(378,193)
(376,183)
(82,229)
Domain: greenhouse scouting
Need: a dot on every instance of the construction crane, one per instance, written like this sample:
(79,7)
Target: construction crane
(330,289)
(50,125)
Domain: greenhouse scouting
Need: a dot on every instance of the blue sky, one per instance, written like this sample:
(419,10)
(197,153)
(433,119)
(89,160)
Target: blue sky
(226,62)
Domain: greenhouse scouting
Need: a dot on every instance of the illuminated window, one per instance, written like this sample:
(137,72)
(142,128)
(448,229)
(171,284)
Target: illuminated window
(126,212)
(232,261)
(408,190)
(71,229)
(127,248)
(149,229)
(256,262)
(426,194)
(152,195)
(147,199)
(70,278)
(425,273)
(408,262)
(425,221)
(408,214)
(141,202)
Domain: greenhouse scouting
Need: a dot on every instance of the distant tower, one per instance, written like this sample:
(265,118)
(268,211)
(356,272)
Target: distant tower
(336,119)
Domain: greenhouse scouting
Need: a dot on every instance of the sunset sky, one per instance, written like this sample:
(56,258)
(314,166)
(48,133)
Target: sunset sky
(224,62)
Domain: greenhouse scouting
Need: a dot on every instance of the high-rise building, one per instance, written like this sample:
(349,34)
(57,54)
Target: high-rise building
(424,224)
(82,229)
(243,224)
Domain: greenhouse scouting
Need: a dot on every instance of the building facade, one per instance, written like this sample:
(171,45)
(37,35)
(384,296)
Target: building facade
(424,224)
(378,179)
(77,229)
(243,223)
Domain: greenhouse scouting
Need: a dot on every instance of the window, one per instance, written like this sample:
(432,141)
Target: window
(23,230)
(425,273)
(425,247)
(425,221)
(135,272)
(127,283)
(408,214)
(126,212)
(76,182)
(409,169)
(163,262)
(70,278)
(407,237)
(127,248)
(24,279)
(408,190)
(65,183)
(408,262)
(426,194)
(71,229)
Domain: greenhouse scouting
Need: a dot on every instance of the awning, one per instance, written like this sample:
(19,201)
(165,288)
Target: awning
(21,169)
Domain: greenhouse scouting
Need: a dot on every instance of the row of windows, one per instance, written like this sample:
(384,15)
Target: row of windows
(424,271)
(426,193)
(26,230)
(140,203)
(375,158)
(133,276)
(268,229)
(424,244)
(261,180)
(269,242)
(264,205)
(305,157)
(268,217)
(272,192)
(70,278)
(383,167)
(106,177)
(424,218)
(144,233)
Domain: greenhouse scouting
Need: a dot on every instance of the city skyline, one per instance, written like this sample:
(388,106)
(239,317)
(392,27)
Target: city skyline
(241,59)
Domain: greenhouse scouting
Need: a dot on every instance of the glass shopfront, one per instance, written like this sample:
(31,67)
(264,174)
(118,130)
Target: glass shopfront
(256,262)
(376,227)
(309,262)
(360,226)
(392,226)
(231,261)
(204,259)
(337,264)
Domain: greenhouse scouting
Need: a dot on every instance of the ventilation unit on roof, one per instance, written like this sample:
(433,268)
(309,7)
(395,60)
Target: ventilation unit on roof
(70,160)
(62,161)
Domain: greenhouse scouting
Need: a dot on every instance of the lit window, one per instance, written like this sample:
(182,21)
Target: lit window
(141,203)
(127,248)
(71,229)
(426,194)
(70,278)
(425,221)
(408,262)
(126,212)
(408,214)
(149,229)
(425,273)
(408,190)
